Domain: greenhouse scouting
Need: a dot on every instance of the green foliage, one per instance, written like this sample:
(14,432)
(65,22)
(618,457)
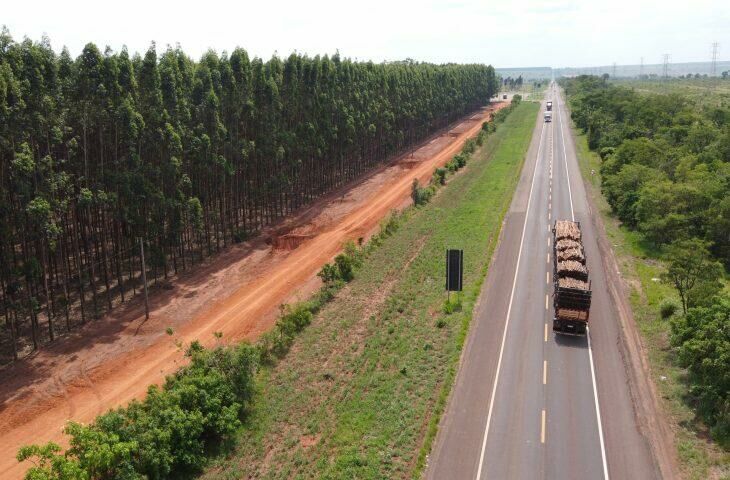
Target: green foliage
(421,195)
(667,308)
(702,340)
(439,176)
(167,434)
(345,267)
(692,272)
(49,464)
(665,160)
(452,304)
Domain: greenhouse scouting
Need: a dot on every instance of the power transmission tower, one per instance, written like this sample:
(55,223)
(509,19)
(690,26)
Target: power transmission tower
(614,71)
(665,66)
(715,48)
(641,67)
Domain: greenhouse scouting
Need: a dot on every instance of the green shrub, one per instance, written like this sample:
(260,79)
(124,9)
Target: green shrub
(702,342)
(165,435)
(420,196)
(460,160)
(439,176)
(469,147)
(345,267)
(452,305)
(668,307)
(481,137)
(328,273)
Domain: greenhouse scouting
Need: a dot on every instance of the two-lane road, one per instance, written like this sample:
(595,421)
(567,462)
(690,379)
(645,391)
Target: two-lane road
(529,404)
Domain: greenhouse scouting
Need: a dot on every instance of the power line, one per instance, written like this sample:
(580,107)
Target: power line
(715,49)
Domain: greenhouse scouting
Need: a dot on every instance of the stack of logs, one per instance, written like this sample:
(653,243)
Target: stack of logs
(571,260)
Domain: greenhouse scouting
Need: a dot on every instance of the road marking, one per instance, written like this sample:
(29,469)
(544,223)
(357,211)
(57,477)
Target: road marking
(546,332)
(509,311)
(548,258)
(546,301)
(567,174)
(588,332)
(542,429)
(598,408)
(544,368)
(548,216)
(548,240)
(547,278)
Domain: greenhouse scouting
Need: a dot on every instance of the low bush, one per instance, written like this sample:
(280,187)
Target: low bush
(452,305)
(668,307)
(439,176)
(421,195)
(702,342)
(165,435)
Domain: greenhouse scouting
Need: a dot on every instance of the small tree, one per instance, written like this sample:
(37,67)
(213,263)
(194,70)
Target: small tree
(690,266)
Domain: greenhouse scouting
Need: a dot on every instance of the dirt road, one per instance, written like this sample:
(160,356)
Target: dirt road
(237,293)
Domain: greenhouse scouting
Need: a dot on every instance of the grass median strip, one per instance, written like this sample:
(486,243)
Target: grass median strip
(360,392)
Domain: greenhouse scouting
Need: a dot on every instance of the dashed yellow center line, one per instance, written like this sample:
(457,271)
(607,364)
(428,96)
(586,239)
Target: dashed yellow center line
(544,371)
(542,430)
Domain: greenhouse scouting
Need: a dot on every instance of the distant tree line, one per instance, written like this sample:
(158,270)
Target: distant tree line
(99,151)
(665,168)
(511,83)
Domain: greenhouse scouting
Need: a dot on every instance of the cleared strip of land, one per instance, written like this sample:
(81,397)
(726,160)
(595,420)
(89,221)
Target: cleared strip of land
(360,393)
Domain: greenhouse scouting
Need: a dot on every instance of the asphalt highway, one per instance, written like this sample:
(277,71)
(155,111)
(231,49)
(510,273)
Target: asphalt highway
(529,404)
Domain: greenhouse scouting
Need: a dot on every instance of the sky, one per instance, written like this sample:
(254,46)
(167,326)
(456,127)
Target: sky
(557,33)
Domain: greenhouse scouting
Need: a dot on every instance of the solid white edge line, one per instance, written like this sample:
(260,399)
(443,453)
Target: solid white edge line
(598,408)
(588,331)
(509,311)
(565,159)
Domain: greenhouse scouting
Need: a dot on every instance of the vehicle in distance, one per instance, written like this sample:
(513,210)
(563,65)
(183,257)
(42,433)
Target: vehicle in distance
(572,288)
(504,97)
(548,117)
(549,106)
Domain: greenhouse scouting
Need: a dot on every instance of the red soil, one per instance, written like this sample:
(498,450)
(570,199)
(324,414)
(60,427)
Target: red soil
(238,293)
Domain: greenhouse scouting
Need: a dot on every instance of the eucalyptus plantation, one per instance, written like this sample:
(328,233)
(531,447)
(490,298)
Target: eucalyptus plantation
(103,151)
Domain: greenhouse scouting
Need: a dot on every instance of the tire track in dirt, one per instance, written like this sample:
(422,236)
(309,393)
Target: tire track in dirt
(107,365)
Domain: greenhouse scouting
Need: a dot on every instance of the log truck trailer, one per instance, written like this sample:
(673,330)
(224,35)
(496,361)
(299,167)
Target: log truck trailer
(572,288)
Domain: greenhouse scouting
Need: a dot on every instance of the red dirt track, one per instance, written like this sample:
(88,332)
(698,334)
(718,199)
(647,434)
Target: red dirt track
(238,293)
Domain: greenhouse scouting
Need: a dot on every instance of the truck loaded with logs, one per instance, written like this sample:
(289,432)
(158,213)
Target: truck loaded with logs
(572,292)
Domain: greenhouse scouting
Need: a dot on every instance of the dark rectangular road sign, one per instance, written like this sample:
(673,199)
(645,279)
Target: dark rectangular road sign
(454,270)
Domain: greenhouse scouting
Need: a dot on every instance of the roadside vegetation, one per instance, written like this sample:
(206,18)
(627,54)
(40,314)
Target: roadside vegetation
(662,164)
(348,383)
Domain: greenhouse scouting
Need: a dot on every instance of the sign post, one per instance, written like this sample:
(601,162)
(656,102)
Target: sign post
(454,271)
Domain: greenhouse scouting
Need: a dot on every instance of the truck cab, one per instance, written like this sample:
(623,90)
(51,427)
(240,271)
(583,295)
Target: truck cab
(548,117)
(549,106)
